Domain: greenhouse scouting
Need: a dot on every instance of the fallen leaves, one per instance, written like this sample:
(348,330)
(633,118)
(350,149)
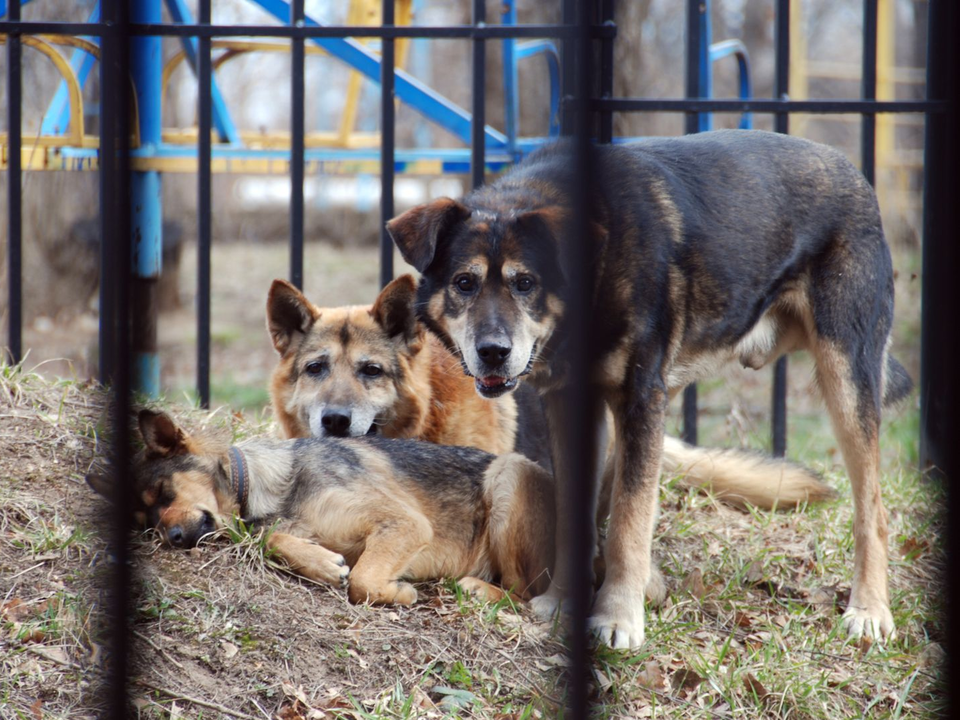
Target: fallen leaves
(693,584)
(754,686)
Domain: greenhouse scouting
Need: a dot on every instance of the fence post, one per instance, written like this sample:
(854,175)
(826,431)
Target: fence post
(697,86)
(146,62)
(781,124)
(14,227)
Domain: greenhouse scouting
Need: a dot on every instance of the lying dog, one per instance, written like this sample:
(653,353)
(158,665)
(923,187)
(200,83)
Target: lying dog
(370,513)
(360,370)
(730,245)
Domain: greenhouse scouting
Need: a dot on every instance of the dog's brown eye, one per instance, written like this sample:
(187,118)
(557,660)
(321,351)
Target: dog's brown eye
(315,368)
(371,370)
(525,284)
(465,283)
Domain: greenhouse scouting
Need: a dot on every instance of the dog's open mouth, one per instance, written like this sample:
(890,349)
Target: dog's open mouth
(493,386)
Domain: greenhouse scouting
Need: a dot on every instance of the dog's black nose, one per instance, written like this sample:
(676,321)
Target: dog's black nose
(336,422)
(175,535)
(493,352)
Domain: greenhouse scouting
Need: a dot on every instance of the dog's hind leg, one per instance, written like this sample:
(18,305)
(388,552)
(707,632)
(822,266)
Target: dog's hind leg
(521,526)
(388,551)
(853,402)
(309,559)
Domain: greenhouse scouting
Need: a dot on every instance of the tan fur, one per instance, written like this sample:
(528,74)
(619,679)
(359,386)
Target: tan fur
(868,610)
(742,478)
(360,520)
(432,399)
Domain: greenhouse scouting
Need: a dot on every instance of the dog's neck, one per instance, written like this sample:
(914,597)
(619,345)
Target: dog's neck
(268,477)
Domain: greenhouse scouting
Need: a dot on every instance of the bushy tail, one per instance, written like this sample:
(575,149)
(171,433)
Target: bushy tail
(897,383)
(741,477)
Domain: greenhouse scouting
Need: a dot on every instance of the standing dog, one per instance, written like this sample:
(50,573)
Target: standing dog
(361,370)
(731,245)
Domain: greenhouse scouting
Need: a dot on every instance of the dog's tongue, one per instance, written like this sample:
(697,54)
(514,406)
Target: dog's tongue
(492,380)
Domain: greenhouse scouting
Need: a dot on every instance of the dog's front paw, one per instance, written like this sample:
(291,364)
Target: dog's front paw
(618,621)
(406,594)
(873,621)
(547,606)
(656,589)
(481,589)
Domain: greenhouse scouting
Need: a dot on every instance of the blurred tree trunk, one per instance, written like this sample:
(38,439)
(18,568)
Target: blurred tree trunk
(628,74)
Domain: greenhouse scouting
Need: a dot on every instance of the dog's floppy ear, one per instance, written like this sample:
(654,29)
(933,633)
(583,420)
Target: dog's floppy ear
(288,313)
(394,310)
(161,435)
(417,231)
(553,222)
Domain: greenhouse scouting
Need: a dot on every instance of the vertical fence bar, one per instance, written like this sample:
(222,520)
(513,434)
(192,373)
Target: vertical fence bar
(117,238)
(387,142)
(204,207)
(695,18)
(939,390)
(297,56)
(478,121)
(146,64)
(941,265)
(781,124)
(868,121)
(14,192)
(579,405)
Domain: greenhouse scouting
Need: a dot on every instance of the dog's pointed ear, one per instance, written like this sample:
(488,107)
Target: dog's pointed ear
(161,435)
(417,231)
(394,308)
(288,313)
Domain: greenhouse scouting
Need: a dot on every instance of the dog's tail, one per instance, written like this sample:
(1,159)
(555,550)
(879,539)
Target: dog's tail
(897,382)
(742,477)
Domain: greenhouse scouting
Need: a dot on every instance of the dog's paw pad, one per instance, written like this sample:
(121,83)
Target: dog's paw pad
(623,635)
(863,623)
(546,606)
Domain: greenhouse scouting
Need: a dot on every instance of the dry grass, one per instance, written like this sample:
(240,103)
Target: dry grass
(750,627)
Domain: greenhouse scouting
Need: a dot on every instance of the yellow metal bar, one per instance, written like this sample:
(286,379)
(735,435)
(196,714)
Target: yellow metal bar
(278,139)
(234,48)
(73,85)
(799,73)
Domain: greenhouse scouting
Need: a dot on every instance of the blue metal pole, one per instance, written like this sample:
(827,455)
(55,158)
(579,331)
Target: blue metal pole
(511,100)
(706,74)
(146,62)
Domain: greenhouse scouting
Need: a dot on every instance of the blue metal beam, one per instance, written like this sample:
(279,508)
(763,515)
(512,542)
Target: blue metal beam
(221,115)
(3,7)
(723,49)
(56,120)
(421,98)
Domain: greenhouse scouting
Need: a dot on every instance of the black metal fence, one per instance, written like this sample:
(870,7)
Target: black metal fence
(588,109)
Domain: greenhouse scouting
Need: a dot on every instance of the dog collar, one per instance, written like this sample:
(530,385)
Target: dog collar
(238,478)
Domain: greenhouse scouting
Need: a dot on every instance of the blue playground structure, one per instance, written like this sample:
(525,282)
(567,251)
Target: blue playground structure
(63,143)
